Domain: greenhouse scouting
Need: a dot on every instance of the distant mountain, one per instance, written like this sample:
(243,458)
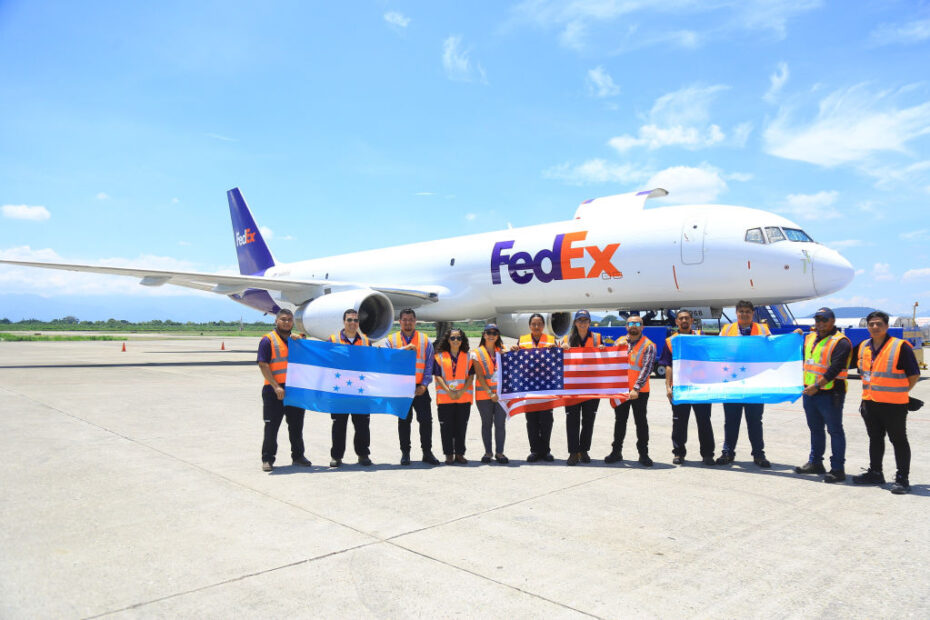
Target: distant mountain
(855,312)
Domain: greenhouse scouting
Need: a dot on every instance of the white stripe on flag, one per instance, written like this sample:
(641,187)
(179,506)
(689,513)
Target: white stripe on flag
(350,382)
(730,375)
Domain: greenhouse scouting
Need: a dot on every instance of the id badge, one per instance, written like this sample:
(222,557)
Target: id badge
(866,375)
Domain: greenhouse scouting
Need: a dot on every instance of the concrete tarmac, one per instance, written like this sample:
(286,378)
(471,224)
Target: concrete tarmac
(133,488)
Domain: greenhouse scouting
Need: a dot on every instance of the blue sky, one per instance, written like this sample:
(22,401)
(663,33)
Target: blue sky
(370,124)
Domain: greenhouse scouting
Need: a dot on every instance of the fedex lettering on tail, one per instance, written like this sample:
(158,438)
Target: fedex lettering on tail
(523,267)
(245,238)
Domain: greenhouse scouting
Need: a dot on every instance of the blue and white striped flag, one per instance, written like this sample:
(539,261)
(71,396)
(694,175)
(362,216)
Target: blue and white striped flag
(744,369)
(340,378)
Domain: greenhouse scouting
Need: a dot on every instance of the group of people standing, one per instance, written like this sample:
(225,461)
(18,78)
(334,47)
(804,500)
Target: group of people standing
(887,365)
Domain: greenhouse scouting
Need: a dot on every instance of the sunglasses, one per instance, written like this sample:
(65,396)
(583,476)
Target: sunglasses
(634,324)
(355,320)
(492,333)
(455,337)
(820,319)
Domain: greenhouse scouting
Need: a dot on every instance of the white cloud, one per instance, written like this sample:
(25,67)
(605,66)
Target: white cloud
(776,82)
(891,177)
(600,84)
(470,217)
(175,201)
(184,243)
(690,185)
(914,274)
(850,126)
(902,34)
(396,19)
(595,171)
(103,196)
(845,243)
(458,65)
(859,272)
(921,234)
(740,177)
(817,206)
(424,194)
(680,118)
(25,212)
(882,271)
(46,282)
(267,233)
(221,138)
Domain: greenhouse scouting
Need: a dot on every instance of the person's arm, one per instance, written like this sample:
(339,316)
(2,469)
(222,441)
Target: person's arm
(838,362)
(907,362)
(649,356)
(482,380)
(264,365)
(428,371)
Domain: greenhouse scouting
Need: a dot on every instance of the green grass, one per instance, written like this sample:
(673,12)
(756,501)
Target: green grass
(45,338)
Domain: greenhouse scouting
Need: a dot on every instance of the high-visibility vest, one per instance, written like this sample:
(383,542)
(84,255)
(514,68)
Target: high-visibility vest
(758,329)
(526,341)
(817,358)
(593,339)
(454,380)
(362,339)
(278,363)
(488,363)
(882,382)
(419,338)
(635,354)
(668,341)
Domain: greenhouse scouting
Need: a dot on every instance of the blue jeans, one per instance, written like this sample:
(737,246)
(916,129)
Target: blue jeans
(826,409)
(732,416)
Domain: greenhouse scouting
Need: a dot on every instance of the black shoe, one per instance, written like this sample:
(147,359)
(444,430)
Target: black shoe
(335,463)
(302,461)
(532,457)
(869,477)
(428,457)
(613,457)
(585,458)
(835,475)
(762,462)
(709,460)
(405,458)
(725,459)
(548,457)
(364,461)
(810,468)
(645,461)
(486,458)
(678,460)
(501,458)
(573,459)
(901,485)
(267,467)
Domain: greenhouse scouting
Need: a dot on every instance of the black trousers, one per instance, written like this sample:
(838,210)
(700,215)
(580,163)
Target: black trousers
(622,414)
(453,423)
(680,416)
(539,431)
(362,435)
(579,425)
(891,419)
(273,411)
(422,404)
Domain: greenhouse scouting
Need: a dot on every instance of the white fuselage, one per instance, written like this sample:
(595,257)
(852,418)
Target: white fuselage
(666,257)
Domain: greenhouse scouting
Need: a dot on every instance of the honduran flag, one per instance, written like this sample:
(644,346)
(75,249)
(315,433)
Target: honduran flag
(341,378)
(743,369)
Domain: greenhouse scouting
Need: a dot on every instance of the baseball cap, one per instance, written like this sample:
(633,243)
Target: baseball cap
(824,313)
(582,314)
(491,327)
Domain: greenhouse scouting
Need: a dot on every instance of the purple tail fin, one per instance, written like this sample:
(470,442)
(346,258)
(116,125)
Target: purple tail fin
(254,255)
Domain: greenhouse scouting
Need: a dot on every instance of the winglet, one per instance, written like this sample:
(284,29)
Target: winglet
(254,255)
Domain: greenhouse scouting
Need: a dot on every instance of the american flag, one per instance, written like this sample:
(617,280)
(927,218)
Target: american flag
(545,378)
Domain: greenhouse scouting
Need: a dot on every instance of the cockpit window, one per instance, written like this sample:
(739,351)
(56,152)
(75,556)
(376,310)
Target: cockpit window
(796,234)
(754,235)
(774,234)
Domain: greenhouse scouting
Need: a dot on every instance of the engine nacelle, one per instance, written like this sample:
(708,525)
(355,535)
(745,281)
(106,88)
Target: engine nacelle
(322,316)
(515,325)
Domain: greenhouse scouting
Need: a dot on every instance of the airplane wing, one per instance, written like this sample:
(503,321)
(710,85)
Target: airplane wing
(237,284)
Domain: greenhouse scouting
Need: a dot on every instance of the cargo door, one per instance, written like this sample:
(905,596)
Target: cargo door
(692,241)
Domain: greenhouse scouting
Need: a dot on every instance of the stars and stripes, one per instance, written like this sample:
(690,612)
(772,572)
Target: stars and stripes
(540,379)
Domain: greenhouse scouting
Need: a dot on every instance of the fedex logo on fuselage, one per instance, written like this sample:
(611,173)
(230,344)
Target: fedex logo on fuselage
(245,238)
(523,267)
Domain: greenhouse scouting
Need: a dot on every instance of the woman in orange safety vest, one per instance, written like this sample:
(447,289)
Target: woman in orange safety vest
(454,377)
(491,411)
(538,423)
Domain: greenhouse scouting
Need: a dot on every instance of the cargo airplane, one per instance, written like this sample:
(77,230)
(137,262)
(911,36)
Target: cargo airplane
(614,254)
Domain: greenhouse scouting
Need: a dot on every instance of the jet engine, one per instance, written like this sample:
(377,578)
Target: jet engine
(322,316)
(515,325)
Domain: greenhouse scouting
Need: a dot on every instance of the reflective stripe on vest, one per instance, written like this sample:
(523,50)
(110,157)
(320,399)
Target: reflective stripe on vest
(668,341)
(882,382)
(419,338)
(489,366)
(635,354)
(278,363)
(361,339)
(454,381)
(526,341)
(817,359)
(757,330)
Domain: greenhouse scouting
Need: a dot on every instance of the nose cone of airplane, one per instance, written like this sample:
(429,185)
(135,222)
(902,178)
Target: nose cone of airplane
(831,271)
